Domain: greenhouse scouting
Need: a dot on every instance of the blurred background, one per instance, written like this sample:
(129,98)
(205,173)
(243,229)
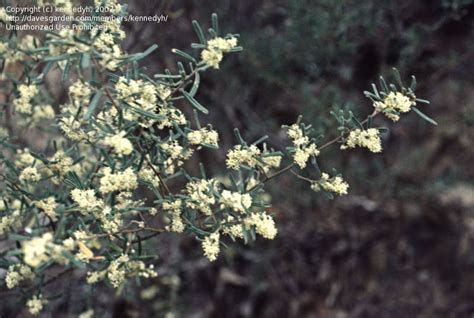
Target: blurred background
(401,244)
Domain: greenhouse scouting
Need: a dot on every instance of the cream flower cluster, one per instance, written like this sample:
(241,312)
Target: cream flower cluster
(10,55)
(48,206)
(138,94)
(86,199)
(110,222)
(335,185)
(18,273)
(4,133)
(271,161)
(70,123)
(264,224)
(89,204)
(116,272)
(215,50)
(64,43)
(177,154)
(233,227)
(201,194)
(211,246)
(23,103)
(368,138)
(42,112)
(87,314)
(236,201)
(30,174)
(119,269)
(80,91)
(393,104)
(13,54)
(125,200)
(173,149)
(41,249)
(174,209)
(120,181)
(24,158)
(60,164)
(251,157)
(304,148)
(171,116)
(240,156)
(3,15)
(12,218)
(164,92)
(108,34)
(148,175)
(203,136)
(71,127)
(121,145)
(36,304)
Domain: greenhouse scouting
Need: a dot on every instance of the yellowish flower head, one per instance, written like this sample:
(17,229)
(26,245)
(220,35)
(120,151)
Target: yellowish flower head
(121,145)
(335,185)
(369,138)
(210,246)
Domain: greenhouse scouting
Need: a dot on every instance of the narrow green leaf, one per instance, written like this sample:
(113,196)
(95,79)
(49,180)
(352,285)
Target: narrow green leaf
(370,95)
(369,122)
(356,122)
(93,104)
(384,85)
(142,55)
(73,260)
(72,179)
(46,70)
(181,69)
(198,46)
(56,58)
(236,49)
(212,32)
(202,170)
(196,119)
(425,117)
(397,76)
(199,32)
(194,88)
(167,76)
(18,237)
(239,137)
(376,92)
(194,102)
(413,83)
(260,140)
(424,101)
(184,55)
(85,60)
(40,157)
(215,23)
(65,72)
(145,113)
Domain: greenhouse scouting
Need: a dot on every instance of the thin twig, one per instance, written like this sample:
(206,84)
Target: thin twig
(290,166)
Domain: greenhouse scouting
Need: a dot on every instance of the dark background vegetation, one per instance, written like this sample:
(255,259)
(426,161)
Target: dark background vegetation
(402,243)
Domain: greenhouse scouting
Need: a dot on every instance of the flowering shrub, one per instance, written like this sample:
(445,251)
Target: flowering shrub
(113,174)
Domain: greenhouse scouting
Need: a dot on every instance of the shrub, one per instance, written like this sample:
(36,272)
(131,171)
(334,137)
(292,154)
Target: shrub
(112,176)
